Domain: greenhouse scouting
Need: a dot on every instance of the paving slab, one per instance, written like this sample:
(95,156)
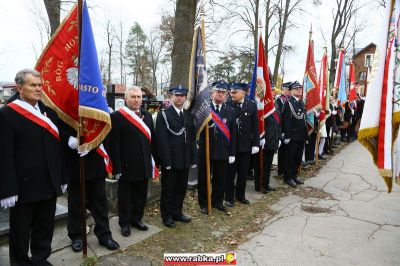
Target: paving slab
(356,223)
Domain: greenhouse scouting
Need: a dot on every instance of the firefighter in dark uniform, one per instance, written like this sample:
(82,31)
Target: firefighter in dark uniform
(248,142)
(222,139)
(176,144)
(294,131)
(282,150)
(31,174)
(132,143)
(95,175)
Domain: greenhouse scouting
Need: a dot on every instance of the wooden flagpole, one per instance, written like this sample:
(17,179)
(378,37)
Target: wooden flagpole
(81,137)
(207,133)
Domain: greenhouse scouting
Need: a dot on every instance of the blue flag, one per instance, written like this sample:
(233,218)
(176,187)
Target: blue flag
(93,106)
(342,93)
(199,97)
(253,84)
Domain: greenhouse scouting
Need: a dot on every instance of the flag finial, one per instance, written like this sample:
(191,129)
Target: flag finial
(310,32)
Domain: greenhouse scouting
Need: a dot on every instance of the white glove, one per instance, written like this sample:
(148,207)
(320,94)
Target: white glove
(286,141)
(64,188)
(9,202)
(255,149)
(73,143)
(83,153)
(168,167)
(262,143)
(283,136)
(231,159)
(334,112)
(193,166)
(117,176)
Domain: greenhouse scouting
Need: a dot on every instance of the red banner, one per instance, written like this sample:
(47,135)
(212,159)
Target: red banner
(352,81)
(58,65)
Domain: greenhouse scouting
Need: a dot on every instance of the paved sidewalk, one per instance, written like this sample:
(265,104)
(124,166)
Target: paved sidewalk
(343,216)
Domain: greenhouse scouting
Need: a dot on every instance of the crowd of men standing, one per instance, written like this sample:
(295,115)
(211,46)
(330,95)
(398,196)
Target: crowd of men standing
(40,160)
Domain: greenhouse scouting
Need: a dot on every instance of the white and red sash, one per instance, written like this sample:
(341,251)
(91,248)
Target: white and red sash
(144,129)
(31,113)
(107,161)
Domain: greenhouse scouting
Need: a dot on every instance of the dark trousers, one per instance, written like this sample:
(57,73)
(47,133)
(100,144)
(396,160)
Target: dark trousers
(328,144)
(31,223)
(240,168)
(132,197)
(268,157)
(309,149)
(96,203)
(282,153)
(173,190)
(295,154)
(218,171)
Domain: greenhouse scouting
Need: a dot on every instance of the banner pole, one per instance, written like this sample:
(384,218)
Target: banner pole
(207,142)
(82,178)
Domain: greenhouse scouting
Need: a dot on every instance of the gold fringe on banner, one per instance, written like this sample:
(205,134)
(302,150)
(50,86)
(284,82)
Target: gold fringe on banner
(96,114)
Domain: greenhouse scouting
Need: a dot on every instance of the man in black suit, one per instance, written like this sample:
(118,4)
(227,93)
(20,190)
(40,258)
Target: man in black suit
(31,174)
(222,138)
(294,131)
(132,143)
(95,175)
(176,144)
(248,142)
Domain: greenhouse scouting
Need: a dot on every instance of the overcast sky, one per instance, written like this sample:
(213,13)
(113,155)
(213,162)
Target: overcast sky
(20,43)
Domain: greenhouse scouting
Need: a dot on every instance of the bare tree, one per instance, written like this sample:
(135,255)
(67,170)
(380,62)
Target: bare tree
(284,9)
(110,36)
(53,12)
(41,22)
(183,38)
(155,50)
(344,12)
(269,25)
(120,40)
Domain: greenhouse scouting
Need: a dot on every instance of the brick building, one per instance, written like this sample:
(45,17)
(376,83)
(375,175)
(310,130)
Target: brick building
(362,65)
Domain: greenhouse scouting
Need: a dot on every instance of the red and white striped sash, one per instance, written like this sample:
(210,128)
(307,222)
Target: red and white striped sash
(31,113)
(107,161)
(144,129)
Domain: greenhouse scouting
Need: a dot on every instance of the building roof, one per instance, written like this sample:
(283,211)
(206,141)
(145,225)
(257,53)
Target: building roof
(361,50)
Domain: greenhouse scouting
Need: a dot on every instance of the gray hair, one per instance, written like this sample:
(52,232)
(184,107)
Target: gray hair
(133,88)
(21,75)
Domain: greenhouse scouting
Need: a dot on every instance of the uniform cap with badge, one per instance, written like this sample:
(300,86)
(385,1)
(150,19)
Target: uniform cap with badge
(295,85)
(220,85)
(286,85)
(179,90)
(238,86)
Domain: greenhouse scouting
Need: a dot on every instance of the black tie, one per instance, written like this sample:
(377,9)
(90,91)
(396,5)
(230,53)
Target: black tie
(217,109)
(181,116)
(239,105)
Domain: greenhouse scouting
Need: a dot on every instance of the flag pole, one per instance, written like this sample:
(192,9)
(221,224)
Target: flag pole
(81,159)
(207,133)
(261,152)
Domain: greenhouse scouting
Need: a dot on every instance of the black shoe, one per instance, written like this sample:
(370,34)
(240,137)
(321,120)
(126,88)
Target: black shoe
(110,244)
(168,222)
(183,218)
(311,162)
(244,201)
(321,157)
(125,230)
(77,245)
(268,188)
(264,191)
(140,225)
(290,183)
(204,211)
(298,181)
(230,204)
(220,207)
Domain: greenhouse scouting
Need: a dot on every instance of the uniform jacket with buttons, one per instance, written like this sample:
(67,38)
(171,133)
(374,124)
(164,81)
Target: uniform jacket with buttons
(177,151)
(220,147)
(293,127)
(247,125)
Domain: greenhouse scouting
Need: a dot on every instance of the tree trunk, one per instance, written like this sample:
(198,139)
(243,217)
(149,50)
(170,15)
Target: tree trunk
(255,35)
(183,37)
(332,68)
(53,12)
(280,42)
(266,29)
